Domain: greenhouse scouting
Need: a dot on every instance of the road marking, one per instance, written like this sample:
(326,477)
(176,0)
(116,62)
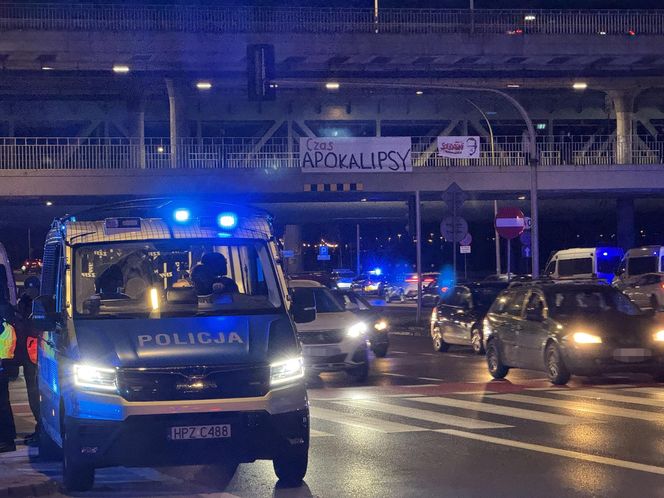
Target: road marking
(397,375)
(550,418)
(429,416)
(420,385)
(577,406)
(431,378)
(412,377)
(374,424)
(608,396)
(428,354)
(457,355)
(626,464)
(658,391)
(398,352)
(315,433)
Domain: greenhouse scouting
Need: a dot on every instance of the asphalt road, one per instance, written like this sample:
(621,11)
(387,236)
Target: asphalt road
(434,424)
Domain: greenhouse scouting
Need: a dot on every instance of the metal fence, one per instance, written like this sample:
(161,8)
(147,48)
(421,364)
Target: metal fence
(278,153)
(118,17)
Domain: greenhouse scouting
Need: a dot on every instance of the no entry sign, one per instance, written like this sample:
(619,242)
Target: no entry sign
(510,222)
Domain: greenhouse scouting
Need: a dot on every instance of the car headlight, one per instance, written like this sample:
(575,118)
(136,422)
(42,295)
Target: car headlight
(659,336)
(357,330)
(586,338)
(97,378)
(381,325)
(285,371)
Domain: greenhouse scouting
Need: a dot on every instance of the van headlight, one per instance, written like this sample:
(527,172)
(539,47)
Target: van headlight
(96,378)
(285,371)
(659,336)
(357,330)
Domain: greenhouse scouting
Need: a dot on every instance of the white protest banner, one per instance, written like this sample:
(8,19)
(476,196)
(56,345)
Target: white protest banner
(459,147)
(355,155)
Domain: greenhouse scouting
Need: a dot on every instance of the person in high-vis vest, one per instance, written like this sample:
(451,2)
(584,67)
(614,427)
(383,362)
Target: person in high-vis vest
(26,356)
(7,350)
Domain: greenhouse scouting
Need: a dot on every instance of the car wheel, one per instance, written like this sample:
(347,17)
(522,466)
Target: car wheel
(76,476)
(654,302)
(380,350)
(555,366)
(496,367)
(438,343)
(476,341)
(359,373)
(290,465)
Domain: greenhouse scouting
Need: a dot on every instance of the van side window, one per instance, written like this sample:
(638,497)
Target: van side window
(50,274)
(578,266)
(550,268)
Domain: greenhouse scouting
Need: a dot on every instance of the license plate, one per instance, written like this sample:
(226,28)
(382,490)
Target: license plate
(320,351)
(632,354)
(200,432)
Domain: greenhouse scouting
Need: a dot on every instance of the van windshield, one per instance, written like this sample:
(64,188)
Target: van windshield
(157,279)
(639,266)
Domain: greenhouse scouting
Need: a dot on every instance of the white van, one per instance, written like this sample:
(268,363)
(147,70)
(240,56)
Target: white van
(7,274)
(589,262)
(639,261)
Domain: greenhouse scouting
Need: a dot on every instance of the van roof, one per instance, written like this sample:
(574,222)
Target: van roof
(645,251)
(576,250)
(157,222)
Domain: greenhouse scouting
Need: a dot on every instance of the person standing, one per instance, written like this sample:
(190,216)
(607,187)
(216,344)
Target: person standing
(26,352)
(7,349)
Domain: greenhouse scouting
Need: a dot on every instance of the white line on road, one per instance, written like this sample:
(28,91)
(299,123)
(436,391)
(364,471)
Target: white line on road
(626,464)
(398,352)
(658,391)
(457,355)
(421,385)
(397,375)
(509,411)
(609,396)
(412,377)
(315,433)
(584,407)
(431,378)
(429,416)
(374,424)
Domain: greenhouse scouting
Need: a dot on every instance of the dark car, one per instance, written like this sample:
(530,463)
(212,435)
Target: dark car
(31,266)
(378,326)
(571,328)
(322,277)
(459,316)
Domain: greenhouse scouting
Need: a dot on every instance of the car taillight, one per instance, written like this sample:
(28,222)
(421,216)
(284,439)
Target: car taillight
(411,280)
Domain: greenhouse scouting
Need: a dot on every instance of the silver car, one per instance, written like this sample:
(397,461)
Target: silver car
(646,290)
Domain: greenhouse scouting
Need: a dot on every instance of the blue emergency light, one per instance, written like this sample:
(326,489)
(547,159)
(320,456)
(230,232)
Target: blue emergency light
(182,215)
(227,221)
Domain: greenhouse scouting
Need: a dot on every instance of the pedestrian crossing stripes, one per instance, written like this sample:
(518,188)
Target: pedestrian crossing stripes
(407,413)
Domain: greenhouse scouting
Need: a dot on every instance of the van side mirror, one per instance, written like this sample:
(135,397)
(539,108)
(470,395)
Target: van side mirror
(304,306)
(44,317)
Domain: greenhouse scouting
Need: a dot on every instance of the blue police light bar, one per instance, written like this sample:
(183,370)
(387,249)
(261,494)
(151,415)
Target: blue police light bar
(182,215)
(227,221)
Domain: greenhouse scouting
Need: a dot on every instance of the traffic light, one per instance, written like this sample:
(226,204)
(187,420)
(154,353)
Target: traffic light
(261,72)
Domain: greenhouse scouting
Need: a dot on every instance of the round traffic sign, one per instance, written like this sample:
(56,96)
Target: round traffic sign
(454,230)
(509,222)
(466,240)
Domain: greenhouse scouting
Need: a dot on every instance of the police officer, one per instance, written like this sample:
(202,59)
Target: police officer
(7,348)
(26,351)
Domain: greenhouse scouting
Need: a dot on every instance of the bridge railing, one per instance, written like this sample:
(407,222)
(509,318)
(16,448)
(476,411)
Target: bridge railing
(119,17)
(277,153)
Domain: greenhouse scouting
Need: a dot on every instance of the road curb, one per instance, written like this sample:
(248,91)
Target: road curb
(43,488)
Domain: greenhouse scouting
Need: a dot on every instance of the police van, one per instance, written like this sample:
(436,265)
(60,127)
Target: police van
(169,339)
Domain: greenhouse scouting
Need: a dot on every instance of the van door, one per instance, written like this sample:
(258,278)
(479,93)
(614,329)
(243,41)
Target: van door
(52,341)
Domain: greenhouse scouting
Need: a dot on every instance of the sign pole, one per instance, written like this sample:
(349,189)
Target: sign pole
(418,250)
(495,231)
(465,267)
(454,238)
(357,246)
(509,259)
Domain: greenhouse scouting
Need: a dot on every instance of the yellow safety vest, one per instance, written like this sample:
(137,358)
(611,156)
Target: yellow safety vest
(7,340)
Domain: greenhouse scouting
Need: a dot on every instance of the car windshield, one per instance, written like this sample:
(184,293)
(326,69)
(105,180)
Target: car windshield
(325,300)
(574,301)
(174,278)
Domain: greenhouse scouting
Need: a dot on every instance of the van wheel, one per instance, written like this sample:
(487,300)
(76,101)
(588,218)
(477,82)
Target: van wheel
(76,476)
(48,449)
(290,465)
(555,366)
(496,367)
(476,341)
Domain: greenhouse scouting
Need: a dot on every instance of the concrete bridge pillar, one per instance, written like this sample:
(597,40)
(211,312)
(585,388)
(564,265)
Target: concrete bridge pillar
(623,102)
(177,121)
(293,242)
(625,218)
(136,129)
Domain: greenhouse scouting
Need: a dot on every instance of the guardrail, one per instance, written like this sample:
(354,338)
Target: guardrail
(117,17)
(277,153)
